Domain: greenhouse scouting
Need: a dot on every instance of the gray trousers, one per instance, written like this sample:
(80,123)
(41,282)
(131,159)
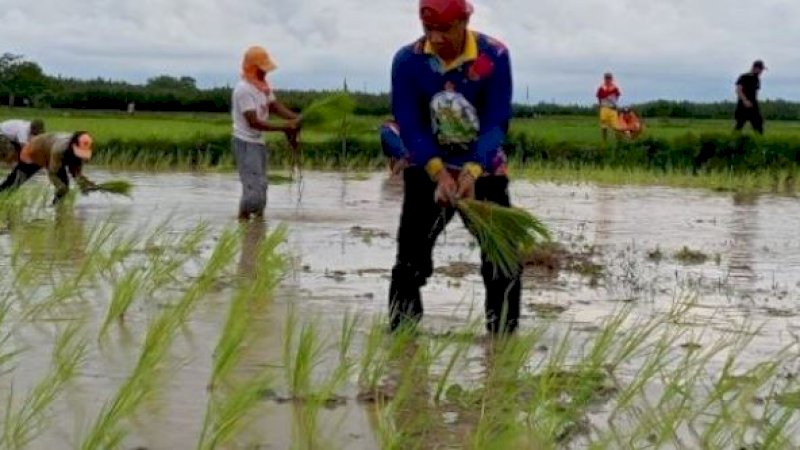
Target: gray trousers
(251,162)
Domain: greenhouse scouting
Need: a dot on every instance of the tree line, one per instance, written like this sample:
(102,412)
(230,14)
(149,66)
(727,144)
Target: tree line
(24,83)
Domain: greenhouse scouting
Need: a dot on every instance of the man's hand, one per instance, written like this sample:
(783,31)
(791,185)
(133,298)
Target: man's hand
(466,186)
(747,103)
(292,126)
(446,189)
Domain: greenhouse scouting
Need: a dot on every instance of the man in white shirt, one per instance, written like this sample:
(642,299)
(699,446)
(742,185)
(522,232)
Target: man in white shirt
(253,101)
(14,135)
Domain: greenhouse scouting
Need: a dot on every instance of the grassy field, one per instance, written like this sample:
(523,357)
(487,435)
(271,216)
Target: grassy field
(178,126)
(686,153)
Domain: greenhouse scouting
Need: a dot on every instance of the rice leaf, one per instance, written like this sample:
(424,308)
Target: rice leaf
(119,187)
(503,233)
(330,110)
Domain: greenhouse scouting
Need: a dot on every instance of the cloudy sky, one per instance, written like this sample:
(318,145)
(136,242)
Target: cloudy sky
(673,49)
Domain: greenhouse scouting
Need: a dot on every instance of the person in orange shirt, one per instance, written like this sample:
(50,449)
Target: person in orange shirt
(608,95)
(628,124)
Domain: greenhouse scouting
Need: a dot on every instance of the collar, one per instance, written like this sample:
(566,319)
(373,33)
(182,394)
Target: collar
(470,52)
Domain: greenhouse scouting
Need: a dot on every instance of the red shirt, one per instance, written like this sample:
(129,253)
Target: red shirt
(608,95)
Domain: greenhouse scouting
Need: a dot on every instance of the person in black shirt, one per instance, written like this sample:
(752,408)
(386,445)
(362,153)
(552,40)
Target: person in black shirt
(747,109)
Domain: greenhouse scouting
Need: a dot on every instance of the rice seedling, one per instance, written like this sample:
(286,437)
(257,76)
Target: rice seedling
(373,359)
(6,357)
(228,416)
(122,297)
(503,233)
(338,377)
(106,431)
(226,410)
(300,360)
(118,187)
(21,426)
(328,110)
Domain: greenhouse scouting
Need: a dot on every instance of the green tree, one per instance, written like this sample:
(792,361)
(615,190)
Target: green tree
(168,82)
(21,79)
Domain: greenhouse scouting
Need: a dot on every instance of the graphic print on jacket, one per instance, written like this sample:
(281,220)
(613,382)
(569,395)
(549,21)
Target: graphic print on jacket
(454,119)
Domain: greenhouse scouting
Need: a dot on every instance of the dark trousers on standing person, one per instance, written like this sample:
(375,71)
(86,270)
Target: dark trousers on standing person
(21,173)
(421,223)
(752,115)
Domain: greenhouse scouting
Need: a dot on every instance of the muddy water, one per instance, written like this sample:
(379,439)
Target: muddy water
(341,234)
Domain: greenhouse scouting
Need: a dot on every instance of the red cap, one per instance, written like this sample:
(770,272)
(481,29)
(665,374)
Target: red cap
(444,11)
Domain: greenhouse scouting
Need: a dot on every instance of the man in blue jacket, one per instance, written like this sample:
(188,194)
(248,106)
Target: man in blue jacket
(451,97)
(393,147)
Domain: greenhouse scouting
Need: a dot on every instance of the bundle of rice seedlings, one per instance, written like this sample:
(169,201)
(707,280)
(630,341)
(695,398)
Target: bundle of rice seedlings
(329,110)
(503,233)
(119,187)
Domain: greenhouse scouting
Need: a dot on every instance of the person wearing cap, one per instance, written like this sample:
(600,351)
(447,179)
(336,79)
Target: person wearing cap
(252,103)
(747,109)
(58,153)
(608,95)
(14,135)
(451,97)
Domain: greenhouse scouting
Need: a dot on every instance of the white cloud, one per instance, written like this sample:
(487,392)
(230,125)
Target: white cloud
(658,48)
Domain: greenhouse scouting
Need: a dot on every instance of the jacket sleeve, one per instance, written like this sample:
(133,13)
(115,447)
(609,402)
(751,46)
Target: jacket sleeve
(415,130)
(496,113)
(392,143)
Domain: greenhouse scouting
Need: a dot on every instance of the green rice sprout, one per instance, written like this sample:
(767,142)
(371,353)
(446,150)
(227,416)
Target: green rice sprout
(118,187)
(122,297)
(22,426)
(225,413)
(329,110)
(230,414)
(503,233)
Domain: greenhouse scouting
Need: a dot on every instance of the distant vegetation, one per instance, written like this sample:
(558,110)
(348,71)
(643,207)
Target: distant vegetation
(23,82)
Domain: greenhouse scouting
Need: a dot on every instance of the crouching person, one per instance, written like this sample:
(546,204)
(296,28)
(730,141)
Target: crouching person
(59,154)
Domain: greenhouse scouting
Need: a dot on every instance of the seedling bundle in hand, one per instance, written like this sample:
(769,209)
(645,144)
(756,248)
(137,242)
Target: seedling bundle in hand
(329,110)
(503,233)
(117,187)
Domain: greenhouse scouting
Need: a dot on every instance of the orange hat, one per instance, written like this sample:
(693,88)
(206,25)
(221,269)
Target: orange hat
(257,56)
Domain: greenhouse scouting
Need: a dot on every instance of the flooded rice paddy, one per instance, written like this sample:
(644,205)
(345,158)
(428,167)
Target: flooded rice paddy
(674,313)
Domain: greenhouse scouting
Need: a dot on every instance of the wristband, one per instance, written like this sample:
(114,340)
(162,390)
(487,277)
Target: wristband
(433,167)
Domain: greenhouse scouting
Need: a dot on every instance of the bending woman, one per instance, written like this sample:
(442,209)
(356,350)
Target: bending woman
(58,153)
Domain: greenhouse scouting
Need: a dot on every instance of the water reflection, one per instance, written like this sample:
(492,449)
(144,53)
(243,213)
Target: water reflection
(743,231)
(59,242)
(253,234)
(419,415)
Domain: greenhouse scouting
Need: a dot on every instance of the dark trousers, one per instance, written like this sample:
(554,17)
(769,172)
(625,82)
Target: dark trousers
(421,223)
(752,115)
(23,172)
